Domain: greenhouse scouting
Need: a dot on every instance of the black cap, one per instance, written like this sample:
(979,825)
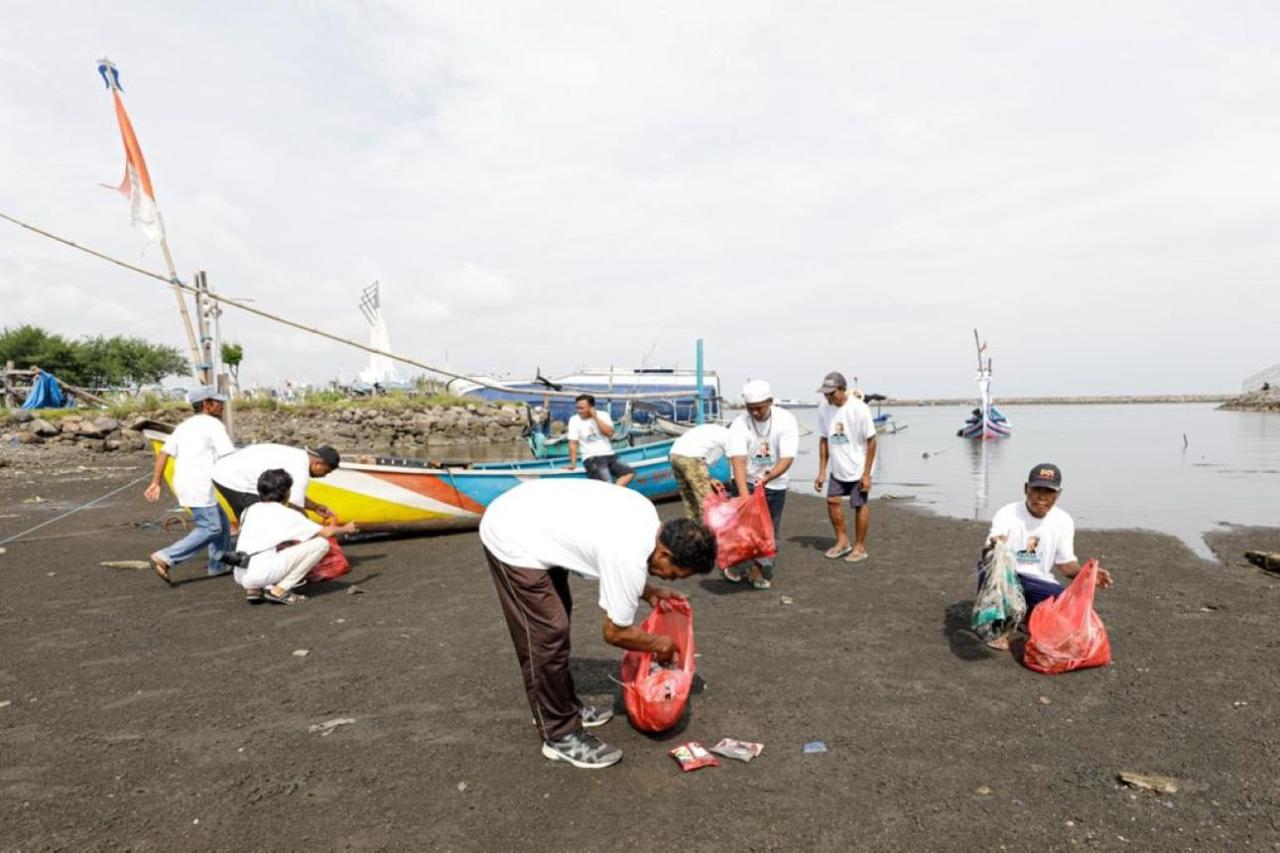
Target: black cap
(1046,475)
(326,454)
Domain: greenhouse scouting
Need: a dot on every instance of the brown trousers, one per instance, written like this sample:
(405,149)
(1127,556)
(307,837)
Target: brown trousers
(537,605)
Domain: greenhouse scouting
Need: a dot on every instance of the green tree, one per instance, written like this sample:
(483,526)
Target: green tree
(232,355)
(97,362)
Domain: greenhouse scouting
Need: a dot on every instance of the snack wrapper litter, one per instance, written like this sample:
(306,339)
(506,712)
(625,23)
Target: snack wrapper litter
(693,755)
(742,750)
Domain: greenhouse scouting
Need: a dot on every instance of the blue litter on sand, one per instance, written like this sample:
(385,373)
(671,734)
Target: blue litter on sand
(815,746)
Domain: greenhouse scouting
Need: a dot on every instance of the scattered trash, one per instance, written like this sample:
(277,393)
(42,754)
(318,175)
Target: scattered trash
(301,653)
(36,500)
(1149,782)
(692,755)
(1045,700)
(51,574)
(1266,562)
(125,564)
(1239,704)
(462,787)
(4,550)
(339,621)
(815,746)
(742,750)
(354,590)
(786,599)
(195,822)
(6,703)
(328,726)
(983,791)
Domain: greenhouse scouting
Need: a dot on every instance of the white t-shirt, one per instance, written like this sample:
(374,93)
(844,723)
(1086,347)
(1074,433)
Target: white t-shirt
(263,527)
(240,471)
(707,442)
(766,443)
(1038,544)
(591,528)
(591,442)
(195,445)
(847,430)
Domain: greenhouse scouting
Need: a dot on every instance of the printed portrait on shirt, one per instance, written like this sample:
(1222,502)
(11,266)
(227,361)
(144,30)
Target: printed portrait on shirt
(838,435)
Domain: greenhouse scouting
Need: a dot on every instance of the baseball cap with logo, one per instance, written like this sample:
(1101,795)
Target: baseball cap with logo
(833,381)
(756,391)
(1045,476)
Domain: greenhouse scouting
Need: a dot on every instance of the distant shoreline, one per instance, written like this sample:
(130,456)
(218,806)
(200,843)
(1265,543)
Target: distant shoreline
(1127,399)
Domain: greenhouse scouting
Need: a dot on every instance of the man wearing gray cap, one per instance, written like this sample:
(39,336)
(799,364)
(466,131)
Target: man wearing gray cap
(194,446)
(846,439)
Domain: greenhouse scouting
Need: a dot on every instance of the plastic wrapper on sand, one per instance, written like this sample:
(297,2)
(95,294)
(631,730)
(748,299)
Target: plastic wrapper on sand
(743,528)
(1066,633)
(655,696)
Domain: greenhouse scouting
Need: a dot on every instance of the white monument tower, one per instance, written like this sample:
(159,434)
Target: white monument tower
(381,370)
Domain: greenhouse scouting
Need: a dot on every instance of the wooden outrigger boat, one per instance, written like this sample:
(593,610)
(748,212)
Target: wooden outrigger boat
(386,494)
(986,421)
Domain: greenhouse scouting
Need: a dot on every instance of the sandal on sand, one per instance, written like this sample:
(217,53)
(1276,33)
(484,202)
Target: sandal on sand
(761,582)
(856,558)
(834,553)
(253,596)
(287,598)
(731,576)
(161,568)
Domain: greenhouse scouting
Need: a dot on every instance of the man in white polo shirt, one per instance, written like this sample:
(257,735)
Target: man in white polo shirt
(1042,537)
(590,432)
(763,442)
(195,445)
(539,532)
(691,454)
(236,476)
(846,439)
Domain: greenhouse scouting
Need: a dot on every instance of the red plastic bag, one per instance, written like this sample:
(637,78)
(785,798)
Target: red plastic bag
(331,565)
(742,527)
(655,695)
(1066,633)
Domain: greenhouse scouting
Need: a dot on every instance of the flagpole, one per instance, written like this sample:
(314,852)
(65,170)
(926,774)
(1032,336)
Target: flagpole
(136,169)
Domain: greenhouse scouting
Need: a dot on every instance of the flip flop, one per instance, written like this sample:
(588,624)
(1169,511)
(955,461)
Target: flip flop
(834,553)
(253,596)
(287,598)
(161,568)
(731,576)
(856,558)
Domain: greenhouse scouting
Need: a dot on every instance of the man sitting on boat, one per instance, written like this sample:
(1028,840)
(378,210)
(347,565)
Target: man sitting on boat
(763,442)
(272,571)
(195,445)
(691,454)
(846,439)
(1042,538)
(591,430)
(236,475)
(537,533)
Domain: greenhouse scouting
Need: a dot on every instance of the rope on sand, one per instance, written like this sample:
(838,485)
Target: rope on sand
(70,512)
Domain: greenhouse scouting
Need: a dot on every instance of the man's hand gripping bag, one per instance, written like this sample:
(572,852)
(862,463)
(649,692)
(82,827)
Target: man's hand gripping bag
(655,695)
(742,527)
(1066,633)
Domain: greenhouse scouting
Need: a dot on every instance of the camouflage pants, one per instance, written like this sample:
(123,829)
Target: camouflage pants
(694,481)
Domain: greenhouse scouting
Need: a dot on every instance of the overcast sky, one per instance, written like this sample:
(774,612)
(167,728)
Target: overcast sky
(808,186)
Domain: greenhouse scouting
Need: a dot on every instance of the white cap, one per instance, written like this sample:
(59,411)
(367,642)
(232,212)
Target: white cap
(756,391)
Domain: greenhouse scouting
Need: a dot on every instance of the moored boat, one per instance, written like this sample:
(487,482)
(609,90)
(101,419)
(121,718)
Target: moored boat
(986,421)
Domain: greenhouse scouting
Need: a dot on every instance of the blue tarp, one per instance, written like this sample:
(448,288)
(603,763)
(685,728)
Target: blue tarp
(45,393)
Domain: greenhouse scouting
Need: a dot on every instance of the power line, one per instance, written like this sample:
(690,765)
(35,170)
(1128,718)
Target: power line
(430,368)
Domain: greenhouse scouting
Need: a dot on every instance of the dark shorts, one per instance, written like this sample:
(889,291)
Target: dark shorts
(238,501)
(839,488)
(606,468)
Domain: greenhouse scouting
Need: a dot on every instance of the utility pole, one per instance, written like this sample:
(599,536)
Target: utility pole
(204,368)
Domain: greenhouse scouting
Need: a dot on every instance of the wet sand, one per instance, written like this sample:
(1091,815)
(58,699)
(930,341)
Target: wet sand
(150,718)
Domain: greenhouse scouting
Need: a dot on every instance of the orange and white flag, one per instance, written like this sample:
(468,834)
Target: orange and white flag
(136,186)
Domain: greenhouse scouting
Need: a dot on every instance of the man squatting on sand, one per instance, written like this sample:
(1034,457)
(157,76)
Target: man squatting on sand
(195,445)
(1042,537)
(537,533)
(846,439)
(690,455)
(763,442)
(591,431)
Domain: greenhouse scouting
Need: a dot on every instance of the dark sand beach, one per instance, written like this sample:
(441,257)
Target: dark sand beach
(146,718)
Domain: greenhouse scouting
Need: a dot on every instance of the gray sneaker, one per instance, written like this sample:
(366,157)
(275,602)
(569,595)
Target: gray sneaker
(595,715)
(583,750)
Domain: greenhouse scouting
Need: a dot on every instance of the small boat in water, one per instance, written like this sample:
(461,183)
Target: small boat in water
(388,494)
(986,421)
